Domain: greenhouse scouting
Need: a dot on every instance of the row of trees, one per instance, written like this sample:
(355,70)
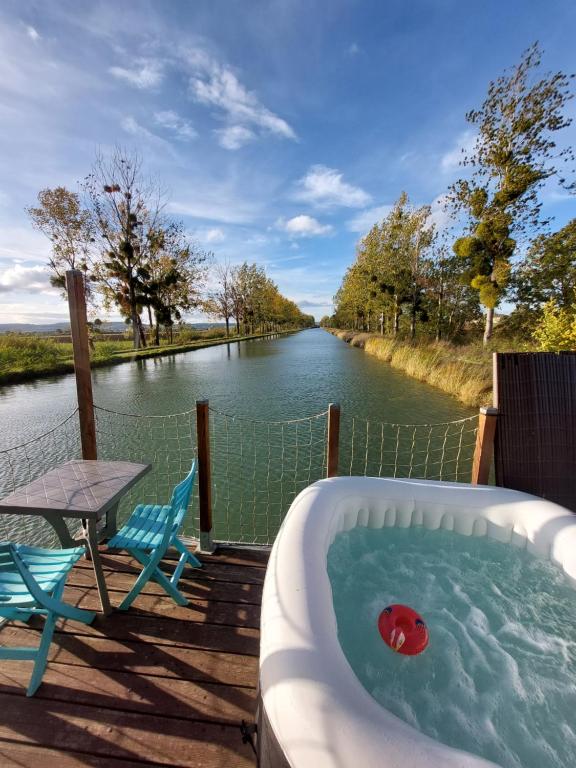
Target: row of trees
(138,260)
(497,247)
(244,293)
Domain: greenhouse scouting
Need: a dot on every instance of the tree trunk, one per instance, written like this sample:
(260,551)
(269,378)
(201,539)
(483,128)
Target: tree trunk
(413,313)
(440,309)
(157,332)
(396,323)
(134,316)
(141,333)
(489,324)
(227,326)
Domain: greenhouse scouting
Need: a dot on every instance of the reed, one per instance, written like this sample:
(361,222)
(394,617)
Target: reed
(464,372)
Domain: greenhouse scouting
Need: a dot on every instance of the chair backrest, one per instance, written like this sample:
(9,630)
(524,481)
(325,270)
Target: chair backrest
(181,495)
(17,585)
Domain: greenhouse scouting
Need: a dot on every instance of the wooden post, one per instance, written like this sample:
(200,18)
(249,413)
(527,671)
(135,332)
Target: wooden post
(484,449)
(204,476)
(333,439)
(79,329)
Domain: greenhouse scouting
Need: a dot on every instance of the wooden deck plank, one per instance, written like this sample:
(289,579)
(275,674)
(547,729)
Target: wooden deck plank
(217,571)
(202,588)
(125,691)
(16,755)
(145,658)
(159,685)
(109,733)
(199,611)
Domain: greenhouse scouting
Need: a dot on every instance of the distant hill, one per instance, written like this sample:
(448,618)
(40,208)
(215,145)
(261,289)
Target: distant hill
(53,328)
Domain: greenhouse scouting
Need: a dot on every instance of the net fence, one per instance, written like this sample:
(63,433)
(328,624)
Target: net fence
(442,451)
(258,466)
(21,464)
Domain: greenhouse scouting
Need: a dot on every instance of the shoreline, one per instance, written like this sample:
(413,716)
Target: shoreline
(66,367)
(437,364)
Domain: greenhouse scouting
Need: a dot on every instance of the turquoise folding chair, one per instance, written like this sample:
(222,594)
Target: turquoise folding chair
(149,533)
(31,582)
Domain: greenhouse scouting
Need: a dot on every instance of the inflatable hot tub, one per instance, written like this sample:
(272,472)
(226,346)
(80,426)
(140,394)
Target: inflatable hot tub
(314,712)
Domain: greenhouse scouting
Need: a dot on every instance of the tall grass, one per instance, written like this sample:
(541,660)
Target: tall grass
(464,372)
(20,354)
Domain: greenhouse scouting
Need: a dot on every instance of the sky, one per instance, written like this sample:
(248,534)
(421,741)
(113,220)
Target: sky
(281,130)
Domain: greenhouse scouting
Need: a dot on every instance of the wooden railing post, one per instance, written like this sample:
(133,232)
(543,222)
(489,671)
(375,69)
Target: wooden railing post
(79,328)
(484,449)
(204,475)
(333,448)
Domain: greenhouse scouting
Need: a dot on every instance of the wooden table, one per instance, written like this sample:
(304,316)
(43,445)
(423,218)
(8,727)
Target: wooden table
(81,490)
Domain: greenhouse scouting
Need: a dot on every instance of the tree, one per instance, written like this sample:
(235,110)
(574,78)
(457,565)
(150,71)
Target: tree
(68,226)
(513,156)
(548,271)
(220,300)
(171,275)
(125,210)
(556,330)
(388,272)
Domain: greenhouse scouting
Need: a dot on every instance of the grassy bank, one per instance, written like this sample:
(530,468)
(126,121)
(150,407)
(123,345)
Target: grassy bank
(464,372)
(25,358)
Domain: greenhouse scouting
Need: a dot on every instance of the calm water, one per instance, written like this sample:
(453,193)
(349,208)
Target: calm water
(257,467)
(498,677)
(282,378)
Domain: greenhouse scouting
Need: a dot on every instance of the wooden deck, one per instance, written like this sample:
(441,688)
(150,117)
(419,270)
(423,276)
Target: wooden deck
(160,685)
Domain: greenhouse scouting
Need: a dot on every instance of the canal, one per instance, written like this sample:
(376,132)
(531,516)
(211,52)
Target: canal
(286,377)
(265,448)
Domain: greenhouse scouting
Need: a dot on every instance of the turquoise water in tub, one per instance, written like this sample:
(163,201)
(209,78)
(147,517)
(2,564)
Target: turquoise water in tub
(499,676)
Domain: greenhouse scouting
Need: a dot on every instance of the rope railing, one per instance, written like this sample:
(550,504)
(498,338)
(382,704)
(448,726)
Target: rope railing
(257,466)
(20,464)
(442,451)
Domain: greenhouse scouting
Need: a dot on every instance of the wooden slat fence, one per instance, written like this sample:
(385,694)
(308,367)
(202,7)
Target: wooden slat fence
(535,449)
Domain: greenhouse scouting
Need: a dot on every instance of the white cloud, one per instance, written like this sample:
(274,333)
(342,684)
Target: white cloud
(214,205)
(365,220)
(173,122)
(213,235)
(303,226)
(30,279)
(133,127)
(450,161)
(324,187)
(146,73)
(32,33)
(321,301)
(438,215)
(215,85)
(235,136)
(353,49)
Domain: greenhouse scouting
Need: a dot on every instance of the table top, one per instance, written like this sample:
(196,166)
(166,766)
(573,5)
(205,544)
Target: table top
(77,489)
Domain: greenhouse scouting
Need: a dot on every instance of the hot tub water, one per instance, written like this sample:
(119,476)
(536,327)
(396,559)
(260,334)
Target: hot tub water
(498,678)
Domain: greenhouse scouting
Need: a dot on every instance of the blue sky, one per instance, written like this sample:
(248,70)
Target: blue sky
(280,129)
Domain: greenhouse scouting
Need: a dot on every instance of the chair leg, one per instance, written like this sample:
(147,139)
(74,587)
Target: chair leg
(186,558)
(185,552)
(41,655)
(150,571)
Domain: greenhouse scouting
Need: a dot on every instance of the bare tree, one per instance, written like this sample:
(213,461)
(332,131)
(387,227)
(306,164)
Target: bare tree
(68,226)
(220,300)
(126,212)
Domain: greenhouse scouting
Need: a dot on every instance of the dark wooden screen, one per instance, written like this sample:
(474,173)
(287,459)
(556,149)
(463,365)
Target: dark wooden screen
(535,449)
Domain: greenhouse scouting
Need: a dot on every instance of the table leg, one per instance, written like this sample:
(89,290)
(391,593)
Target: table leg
(97,565)
(61,530)
(111,527)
